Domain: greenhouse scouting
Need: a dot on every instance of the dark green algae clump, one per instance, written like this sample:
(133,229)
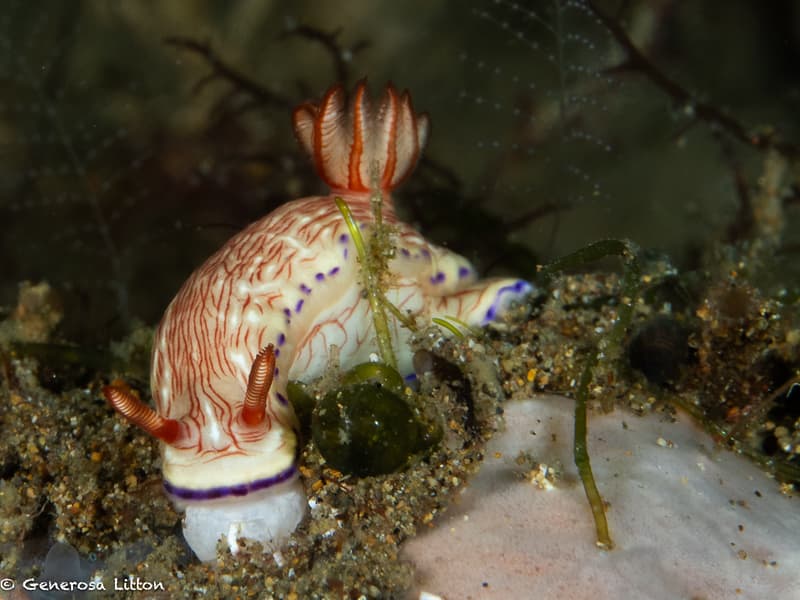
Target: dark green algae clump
(368,423)
(368,429)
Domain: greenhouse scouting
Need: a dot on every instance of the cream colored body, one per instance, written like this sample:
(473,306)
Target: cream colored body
(247,295)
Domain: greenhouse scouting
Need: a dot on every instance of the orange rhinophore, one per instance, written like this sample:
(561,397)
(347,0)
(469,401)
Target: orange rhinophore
(128,404)
(254,410)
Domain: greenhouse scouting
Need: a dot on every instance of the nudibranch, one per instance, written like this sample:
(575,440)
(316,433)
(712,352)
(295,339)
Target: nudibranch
(270,306)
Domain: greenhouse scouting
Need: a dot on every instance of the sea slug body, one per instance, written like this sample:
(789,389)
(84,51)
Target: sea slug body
(268,307)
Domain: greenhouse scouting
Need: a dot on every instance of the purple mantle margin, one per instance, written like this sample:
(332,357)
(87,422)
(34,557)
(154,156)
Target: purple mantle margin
(234,490)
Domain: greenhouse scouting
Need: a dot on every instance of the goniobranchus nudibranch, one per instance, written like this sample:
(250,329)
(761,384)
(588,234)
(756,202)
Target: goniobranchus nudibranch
(268,307)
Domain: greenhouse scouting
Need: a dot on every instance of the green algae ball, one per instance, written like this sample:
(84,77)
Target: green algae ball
(366,429)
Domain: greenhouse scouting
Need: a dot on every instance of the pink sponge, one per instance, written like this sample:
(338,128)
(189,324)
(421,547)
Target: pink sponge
(689,520)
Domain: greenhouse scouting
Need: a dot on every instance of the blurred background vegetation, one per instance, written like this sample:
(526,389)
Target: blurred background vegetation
(136,137)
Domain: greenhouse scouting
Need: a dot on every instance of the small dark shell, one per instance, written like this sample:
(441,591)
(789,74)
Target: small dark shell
(659,348)
(366,429)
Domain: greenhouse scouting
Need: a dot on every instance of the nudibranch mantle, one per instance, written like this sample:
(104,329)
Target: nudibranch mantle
(269,306)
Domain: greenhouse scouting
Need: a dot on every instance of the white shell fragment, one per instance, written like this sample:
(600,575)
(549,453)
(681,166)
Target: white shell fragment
(689,520)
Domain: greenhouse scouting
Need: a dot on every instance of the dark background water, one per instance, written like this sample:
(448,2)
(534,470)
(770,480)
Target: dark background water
(122,165)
